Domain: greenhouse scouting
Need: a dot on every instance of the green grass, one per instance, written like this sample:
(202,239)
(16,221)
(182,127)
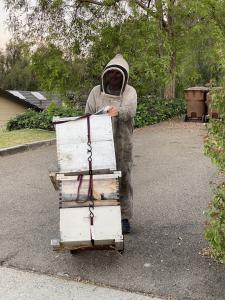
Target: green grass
(23,136)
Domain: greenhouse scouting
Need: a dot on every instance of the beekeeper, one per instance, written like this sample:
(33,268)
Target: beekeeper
(121,98)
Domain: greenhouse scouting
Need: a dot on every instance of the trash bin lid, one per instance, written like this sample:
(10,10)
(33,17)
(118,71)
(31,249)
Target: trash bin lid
(198,88)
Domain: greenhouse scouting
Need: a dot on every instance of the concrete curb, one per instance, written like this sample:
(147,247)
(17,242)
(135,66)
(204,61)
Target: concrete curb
(26,147)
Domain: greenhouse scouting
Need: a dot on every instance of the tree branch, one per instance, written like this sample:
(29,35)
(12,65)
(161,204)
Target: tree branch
(216,17)
(92,2)
(142,5)
(99,3)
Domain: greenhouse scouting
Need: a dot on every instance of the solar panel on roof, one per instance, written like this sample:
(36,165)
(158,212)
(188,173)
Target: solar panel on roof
(38,95)
(17,94)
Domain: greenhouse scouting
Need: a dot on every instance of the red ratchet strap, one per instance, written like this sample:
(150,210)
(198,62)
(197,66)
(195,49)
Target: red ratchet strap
(90,188)
(80,179)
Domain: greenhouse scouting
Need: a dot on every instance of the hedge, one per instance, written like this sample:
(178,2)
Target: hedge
(215,228)
(41,120)
(215,148)
(149,111)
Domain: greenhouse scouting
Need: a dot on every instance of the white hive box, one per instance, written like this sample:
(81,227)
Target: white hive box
(72,141)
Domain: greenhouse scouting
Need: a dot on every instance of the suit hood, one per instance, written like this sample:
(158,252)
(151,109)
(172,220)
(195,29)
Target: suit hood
(120,64)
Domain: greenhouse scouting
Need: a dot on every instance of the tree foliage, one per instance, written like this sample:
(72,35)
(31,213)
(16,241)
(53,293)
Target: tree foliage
(148,69)
(169,44)
(56,72)
(163,25)
(15,71)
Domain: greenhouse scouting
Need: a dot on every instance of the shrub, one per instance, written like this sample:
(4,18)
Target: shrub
(151,111)
(215,142)
(215,228)
(41,120)
(215,148)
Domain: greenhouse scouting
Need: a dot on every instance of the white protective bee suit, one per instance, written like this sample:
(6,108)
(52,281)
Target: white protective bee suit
(126,103)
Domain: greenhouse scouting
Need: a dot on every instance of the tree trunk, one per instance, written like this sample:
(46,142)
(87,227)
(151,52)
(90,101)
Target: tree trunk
(170,91)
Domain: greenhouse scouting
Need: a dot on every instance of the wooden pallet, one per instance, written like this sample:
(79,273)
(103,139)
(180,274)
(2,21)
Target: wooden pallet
(73,246)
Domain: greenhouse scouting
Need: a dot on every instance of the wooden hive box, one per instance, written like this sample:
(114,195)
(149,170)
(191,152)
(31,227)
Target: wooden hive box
(74,188)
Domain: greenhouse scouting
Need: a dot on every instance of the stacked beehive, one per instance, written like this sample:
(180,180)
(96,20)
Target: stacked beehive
(88,182)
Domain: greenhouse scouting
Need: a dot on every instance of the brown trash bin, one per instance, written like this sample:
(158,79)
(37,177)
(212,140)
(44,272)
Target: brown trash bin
(212,112)
(196,103)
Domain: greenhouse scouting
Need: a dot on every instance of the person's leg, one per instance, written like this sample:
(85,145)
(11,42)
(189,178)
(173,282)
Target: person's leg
(126,200)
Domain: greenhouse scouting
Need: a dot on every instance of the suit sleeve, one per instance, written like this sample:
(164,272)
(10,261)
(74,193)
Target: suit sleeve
(129,106)
(91,103)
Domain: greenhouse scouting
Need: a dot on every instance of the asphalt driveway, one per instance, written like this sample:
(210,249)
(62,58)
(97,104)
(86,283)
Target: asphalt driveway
(172,185)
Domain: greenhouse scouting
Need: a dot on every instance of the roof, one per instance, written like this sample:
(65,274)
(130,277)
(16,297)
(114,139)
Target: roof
(37,100)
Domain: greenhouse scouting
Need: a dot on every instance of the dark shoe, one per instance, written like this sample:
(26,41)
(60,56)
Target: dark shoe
(125,226)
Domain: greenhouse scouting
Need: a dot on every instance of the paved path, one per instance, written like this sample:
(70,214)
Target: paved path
(171,183)
(20,285)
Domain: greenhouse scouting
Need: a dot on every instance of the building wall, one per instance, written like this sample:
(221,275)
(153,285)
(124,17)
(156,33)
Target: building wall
(9,109)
